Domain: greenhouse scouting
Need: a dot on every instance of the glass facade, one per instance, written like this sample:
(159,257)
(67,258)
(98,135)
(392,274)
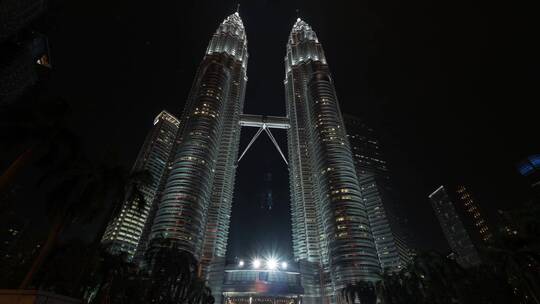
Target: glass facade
(332,239)
(453,228)
(385,217)
(195,207)
(125,232)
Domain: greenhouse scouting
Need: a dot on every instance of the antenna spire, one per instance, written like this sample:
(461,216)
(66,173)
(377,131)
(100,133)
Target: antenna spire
(298,13)
(238,7)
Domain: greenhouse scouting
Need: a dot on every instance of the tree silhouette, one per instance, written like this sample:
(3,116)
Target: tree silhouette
(81,190)
(42,131)
(173,275)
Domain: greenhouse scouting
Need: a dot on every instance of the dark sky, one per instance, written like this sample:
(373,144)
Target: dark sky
(450,86)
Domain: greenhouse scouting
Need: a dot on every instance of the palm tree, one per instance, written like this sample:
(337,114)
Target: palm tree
(41,130)
(173,275)
(199,293)
(172,271)
(440,279)
(490,286)
(366,292)
(363,291)
(347,294)
(518,258)
(63,266)
(391,289)
(81,191)
(430,278)
(116,272)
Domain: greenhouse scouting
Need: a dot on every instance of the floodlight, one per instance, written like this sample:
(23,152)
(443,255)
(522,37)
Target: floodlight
(284,265)
(256,263)
(241,263)
(272,263)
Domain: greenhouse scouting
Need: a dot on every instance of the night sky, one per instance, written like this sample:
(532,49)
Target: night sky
(449,86)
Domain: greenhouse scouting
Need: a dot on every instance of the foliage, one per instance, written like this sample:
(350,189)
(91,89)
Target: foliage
(80,191)
(509,275)
(510,272)
(170,277)
(173,275)
(40,133)
(360,292)
(115,280)
(63,269)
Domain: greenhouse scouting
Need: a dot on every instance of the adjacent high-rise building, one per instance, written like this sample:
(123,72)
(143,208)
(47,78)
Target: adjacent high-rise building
(332,239)
(386,218)
(473,216)
(453,226)
(125,232)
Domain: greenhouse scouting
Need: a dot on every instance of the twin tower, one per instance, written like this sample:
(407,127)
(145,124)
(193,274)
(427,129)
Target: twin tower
(193,161)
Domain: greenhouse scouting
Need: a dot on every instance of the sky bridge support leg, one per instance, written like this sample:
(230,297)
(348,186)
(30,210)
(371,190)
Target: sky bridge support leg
(272,138)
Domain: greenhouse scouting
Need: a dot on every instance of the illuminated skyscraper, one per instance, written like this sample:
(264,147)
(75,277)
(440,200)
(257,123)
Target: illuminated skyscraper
(386,217)
(477,222)
(454,228)
(124,232)
(332,240)
(195,207)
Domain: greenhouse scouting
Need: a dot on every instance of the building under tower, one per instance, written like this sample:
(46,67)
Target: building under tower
(388,223)
(125,233)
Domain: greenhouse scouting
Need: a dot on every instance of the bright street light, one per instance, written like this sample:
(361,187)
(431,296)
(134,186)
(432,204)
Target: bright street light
(272,263)
(283,265)
(256,263)
(241,263)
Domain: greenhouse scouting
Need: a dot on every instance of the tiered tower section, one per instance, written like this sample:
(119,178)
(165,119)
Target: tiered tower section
(331,231)
(196,203)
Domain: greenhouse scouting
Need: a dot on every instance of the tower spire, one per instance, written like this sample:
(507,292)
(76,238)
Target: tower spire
(238,8)
(297,14)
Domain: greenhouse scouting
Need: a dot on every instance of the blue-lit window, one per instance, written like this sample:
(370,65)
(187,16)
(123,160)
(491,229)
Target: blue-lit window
(526,169)
(535,160)
(263,276)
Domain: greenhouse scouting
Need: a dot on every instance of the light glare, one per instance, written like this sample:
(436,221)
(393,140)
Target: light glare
(256,263)
(241,263)
(284,265)
(271,263)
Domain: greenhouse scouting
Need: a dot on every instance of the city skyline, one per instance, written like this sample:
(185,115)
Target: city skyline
(417,145)
(139,141)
